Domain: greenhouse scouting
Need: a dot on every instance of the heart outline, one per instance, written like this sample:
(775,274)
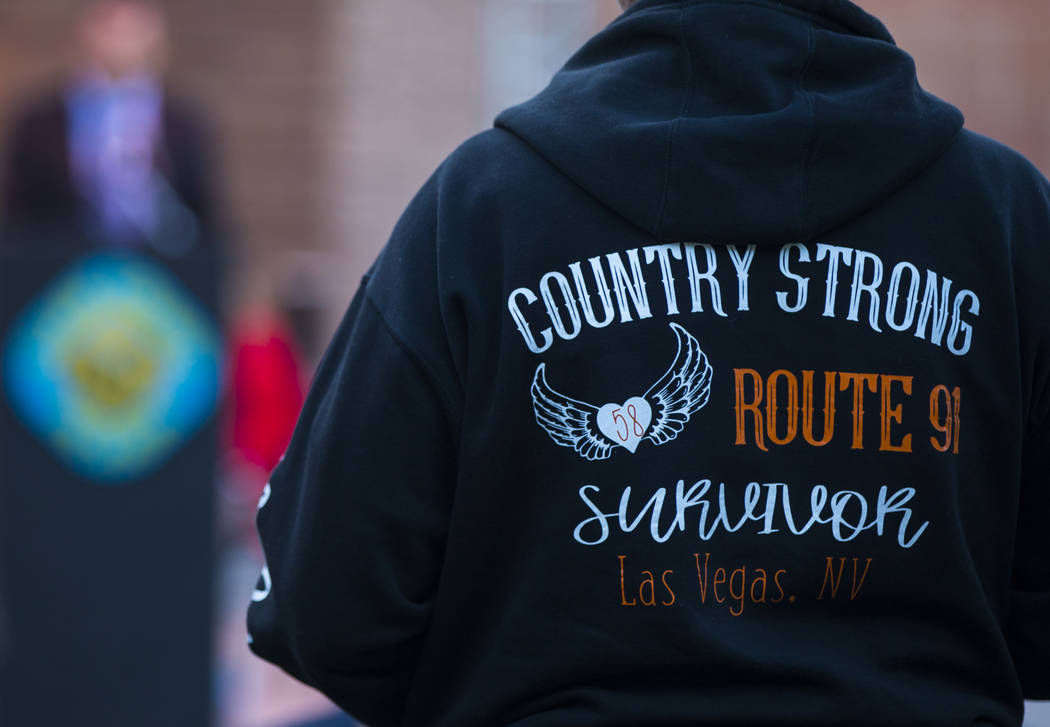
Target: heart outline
(620,422)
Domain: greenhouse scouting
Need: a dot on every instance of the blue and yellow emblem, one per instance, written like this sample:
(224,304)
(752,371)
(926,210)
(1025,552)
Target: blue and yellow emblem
(114,366)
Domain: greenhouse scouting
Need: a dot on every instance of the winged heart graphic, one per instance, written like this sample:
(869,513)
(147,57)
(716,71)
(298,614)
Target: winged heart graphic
(594,432)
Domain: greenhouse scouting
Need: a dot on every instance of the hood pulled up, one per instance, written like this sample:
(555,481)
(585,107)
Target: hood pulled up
(738,121)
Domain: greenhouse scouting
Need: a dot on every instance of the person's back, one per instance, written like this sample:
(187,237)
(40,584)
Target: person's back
(710,387)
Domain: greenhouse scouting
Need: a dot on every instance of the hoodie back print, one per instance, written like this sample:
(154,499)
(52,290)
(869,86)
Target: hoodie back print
(708,387)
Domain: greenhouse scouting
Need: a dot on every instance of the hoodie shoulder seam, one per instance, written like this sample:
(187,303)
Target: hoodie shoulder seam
(673,130)
(428,371)
(807,159)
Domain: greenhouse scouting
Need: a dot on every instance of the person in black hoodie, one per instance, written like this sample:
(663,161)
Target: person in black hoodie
(709,387)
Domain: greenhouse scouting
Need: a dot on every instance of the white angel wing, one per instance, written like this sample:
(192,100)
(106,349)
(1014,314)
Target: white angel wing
(681,391)
(569,422)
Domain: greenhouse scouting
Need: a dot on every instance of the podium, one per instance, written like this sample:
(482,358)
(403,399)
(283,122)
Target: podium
(111,373)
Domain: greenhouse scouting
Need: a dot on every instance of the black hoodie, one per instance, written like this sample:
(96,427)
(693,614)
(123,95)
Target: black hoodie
(708,388)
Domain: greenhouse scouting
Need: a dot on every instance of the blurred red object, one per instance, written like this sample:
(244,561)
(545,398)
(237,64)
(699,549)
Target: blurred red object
(266,389)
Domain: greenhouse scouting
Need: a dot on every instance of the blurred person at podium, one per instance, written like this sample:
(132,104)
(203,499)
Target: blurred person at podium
(108,156)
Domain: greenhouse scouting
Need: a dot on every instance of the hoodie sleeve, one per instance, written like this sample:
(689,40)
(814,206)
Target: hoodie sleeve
(1028,629)
(353,522)
(1028,625)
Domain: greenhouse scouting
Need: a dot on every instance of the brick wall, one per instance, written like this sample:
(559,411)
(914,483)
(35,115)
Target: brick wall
(987,58)
(408,86)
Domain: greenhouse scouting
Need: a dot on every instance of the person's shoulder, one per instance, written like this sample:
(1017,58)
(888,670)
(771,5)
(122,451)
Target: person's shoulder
(491,146)
(493,161)
(1006,196)
(997,163)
